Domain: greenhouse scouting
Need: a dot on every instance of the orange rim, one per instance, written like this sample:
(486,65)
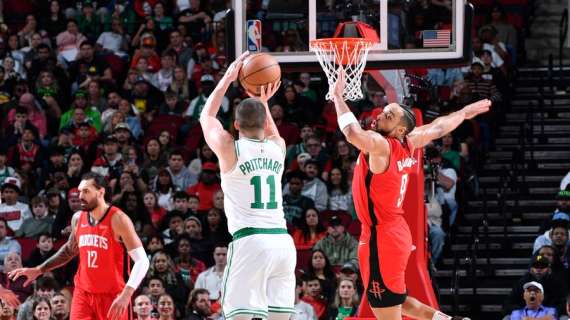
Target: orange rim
(327,43)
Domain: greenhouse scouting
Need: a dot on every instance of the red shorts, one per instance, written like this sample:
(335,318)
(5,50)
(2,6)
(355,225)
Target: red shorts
(383,253)
(92,306)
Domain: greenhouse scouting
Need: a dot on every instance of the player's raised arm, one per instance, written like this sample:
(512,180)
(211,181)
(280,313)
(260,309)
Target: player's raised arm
(423,135)
(124,229)
(67,252)
(367,141)
(217,138)
(271,131)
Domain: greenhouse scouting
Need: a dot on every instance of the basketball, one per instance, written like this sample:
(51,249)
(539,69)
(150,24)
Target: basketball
(258,70)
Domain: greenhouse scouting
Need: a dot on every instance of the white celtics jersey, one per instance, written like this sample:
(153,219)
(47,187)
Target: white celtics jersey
(252,190)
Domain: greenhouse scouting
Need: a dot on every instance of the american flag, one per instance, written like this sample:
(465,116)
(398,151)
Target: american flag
(436,38)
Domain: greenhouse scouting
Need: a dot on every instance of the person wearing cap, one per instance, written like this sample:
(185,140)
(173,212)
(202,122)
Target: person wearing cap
(555,288)
(560,221)
(110,163)
(479,87)
(207,83)
(207,185)
(534,296)
(12,210)
(313,187)
(144,96)
(122,132)
(339,246)
(350,271)
(41,222)
(92,115)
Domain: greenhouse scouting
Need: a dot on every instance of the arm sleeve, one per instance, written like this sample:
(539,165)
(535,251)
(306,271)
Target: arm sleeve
(139,268)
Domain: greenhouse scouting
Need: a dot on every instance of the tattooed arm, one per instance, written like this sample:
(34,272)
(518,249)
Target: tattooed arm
(67,252)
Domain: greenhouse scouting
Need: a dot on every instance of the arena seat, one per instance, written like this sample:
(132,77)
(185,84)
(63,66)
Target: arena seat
(165,122)
(28,246)
(344,216)
(303,258)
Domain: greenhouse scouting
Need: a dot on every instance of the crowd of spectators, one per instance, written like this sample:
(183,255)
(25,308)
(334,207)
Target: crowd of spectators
(116,87)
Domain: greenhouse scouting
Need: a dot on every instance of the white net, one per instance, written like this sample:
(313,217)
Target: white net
(352,53)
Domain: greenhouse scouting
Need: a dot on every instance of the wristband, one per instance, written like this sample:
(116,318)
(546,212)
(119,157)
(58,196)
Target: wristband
(346,119)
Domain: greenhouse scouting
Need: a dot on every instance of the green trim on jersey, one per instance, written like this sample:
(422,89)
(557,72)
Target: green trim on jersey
(227,273)
(254,140)
(241,233)
(257,312)
(236,145)
(281,309)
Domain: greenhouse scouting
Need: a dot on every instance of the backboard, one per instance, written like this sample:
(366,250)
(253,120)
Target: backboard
(413,33)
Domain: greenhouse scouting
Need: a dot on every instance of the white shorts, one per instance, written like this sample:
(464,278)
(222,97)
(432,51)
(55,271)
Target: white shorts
(260,274)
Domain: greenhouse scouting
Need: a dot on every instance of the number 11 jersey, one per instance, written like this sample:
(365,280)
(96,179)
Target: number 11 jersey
(101,257)
(252,189)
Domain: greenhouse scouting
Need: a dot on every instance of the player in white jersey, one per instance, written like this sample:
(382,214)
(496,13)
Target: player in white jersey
(259,280)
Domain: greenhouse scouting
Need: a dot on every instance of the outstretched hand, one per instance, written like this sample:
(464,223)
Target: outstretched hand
(266,92)
(476,108)
(30,273)
(232,72)
(339,84)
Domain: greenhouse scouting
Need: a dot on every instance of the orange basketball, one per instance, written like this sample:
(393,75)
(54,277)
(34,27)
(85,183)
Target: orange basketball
(258,70)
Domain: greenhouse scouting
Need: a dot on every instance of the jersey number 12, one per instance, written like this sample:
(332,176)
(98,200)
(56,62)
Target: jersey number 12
(92,259)
(257,204)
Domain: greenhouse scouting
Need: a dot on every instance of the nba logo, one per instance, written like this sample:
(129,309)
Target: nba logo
(254,35)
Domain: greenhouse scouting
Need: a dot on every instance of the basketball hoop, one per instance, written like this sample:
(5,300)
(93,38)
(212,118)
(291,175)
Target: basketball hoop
(351,53)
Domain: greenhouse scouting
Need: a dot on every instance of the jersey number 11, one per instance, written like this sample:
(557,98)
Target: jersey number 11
(257,204)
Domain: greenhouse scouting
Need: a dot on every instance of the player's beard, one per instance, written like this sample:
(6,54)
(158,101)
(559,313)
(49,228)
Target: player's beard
(89,206)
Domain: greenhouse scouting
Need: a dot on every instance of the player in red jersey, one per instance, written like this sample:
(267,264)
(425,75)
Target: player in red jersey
(379,188)
(101,235)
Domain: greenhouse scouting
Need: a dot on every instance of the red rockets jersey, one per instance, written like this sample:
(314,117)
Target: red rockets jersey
(101,257)
(383,193)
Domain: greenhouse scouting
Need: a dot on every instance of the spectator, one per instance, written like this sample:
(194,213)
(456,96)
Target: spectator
(110,163)
(313,187)
(303,310)
(211,279)
(201,247)
(60,306)
(166,307)
(163,267)
(340,247)
(7,244)
(506,33)
(533,297)
(294,202)
(98,67)
(5,170)
(41,309)
(207,83)
(40,223)
(153,160)
(182,178)
(36,117)
(26,155)
(13,211)
(205,154)
(339,192)
(554,289)
(216,230)
(345,302)
(92,115)
(207,185)
(154,244)
(187,266)
(350,271)
(479,87)
(199,307)
(445,178)
(560,222)
(114,41)
(314,297)
(175,223)
(69,41)
(182,203)
(155,288)
(321,267)
(162,79)
(13,261)
(288,131)
(436,235)
(62,224)
(143,308)
(154,211)
(44,250)
(311,230)
(293,151)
